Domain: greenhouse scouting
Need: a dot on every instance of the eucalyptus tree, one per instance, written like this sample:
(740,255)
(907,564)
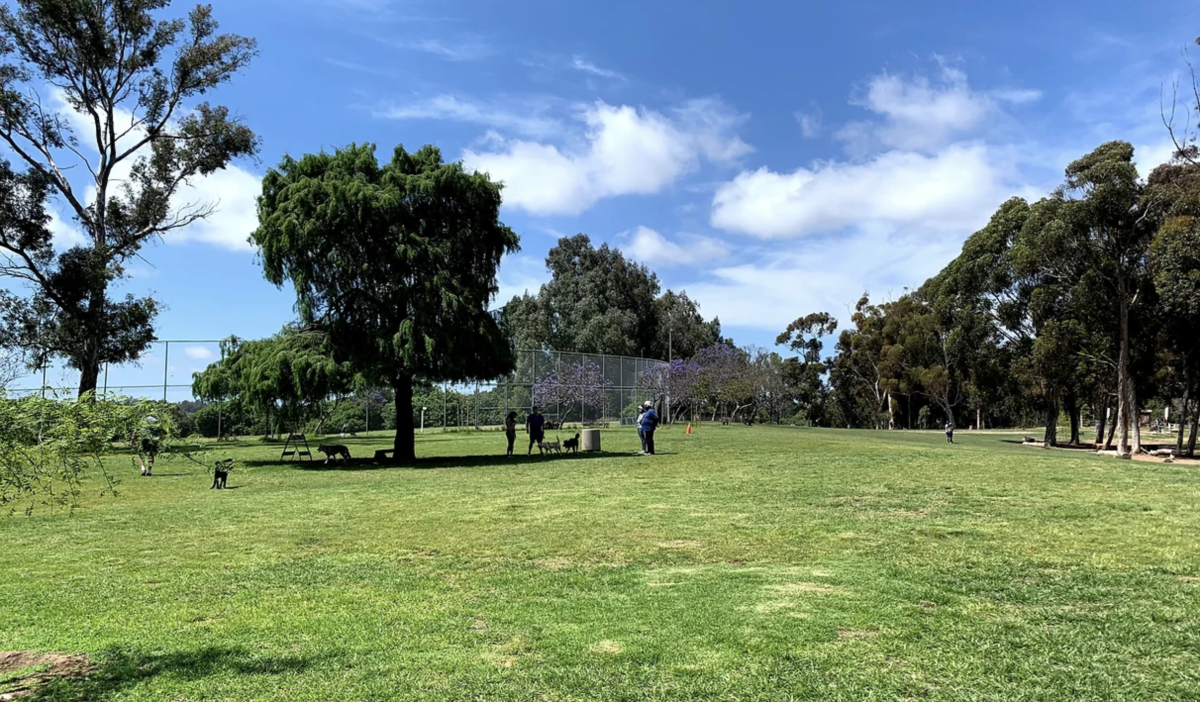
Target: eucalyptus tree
(101,108)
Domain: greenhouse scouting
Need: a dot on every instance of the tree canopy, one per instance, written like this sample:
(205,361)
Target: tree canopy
(394,264)
(126,135)
(598,301)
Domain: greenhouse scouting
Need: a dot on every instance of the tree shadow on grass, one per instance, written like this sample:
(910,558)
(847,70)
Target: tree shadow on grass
(486,461)
(121,670)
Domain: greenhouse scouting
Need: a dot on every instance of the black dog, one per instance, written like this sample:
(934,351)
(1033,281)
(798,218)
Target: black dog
(221,473)
(572,445)
(334,450)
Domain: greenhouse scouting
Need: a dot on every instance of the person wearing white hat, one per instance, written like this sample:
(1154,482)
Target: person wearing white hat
(646,426)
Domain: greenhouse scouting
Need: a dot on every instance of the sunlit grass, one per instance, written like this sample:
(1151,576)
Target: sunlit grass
(741,563)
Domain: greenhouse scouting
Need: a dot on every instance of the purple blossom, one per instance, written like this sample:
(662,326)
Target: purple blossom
(676,379)
(573,385)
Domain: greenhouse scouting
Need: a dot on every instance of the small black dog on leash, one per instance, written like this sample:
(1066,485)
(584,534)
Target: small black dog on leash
(221,473)
(572,445)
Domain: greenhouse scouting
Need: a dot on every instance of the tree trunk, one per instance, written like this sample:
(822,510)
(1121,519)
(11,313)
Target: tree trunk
(1073,411)
(89,375)
(405,444)
(891,405)
(1101,409)
(1136,446)
(979,418)
(1183,421)
(1051,437)
(1112,430)
(1191,447)
(1123,380)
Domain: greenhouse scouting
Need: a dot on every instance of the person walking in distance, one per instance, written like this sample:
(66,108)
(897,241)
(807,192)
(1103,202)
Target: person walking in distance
(949,432)
(510,431)
(535,426)
(648,424)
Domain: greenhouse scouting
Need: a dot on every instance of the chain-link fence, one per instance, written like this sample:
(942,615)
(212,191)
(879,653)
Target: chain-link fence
(551,380)
(612,394)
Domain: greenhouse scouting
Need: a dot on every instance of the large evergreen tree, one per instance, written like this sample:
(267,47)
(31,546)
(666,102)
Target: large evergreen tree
(395,263)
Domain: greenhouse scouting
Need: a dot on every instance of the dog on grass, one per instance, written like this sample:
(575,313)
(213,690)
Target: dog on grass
(221,473)
(332,450)
(545,447)
(572,445)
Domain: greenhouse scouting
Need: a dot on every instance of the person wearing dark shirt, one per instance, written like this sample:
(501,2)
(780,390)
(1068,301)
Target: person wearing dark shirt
(535,424)
(510,431)
(949,432)
(648,425)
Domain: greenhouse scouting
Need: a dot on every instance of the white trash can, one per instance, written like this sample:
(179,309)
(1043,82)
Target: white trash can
(590,441)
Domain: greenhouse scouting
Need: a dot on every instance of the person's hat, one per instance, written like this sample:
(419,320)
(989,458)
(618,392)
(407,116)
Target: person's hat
(647,403)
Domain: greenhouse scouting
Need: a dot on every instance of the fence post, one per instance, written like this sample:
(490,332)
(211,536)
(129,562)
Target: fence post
(166,365)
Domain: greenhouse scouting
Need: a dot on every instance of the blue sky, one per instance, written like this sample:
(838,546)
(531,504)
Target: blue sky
(771,158)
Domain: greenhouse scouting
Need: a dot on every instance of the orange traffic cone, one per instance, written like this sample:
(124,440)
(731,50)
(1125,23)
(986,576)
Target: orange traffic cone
(689,429)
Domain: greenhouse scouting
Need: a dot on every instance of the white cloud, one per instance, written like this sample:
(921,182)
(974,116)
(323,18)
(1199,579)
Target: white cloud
(917,114)
(1017,96)
(826,275)
(232,191)
(581,64)
(530,120)
(954,190)
(65,234)
(470,49)
(624,151)
(199,353)
(652,248)
(810,123)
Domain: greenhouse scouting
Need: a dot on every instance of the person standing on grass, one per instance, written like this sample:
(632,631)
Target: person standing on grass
(638,424)
(510,431)
(535,426)
(648,424)
(147,439)
(949,432)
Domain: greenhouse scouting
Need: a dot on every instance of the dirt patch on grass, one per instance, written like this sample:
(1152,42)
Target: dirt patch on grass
(681,544)
(608,648)
(40,668)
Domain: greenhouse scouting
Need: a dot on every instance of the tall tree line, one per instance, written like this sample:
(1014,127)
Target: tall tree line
(1087,299)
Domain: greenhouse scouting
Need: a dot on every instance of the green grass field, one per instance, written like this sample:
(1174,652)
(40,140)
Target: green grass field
(740,564)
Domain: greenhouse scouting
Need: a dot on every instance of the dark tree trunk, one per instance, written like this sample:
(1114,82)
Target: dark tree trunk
(1183,421)
(1073,411)
(1101,410)
(1112,430)
(1051,437)
(1191,447)
(89,376)
(405,443)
